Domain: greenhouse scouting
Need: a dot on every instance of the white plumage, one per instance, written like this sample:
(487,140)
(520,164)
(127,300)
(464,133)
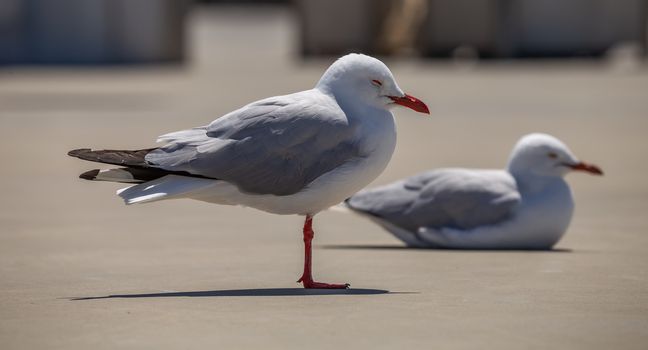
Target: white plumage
(293,154)
(527,206)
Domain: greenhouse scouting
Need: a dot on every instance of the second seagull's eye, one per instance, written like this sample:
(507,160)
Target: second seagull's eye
(552,155)
(376,82)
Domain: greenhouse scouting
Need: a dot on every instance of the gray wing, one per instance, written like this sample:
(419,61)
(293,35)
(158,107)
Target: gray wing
(455,198)
(273,146)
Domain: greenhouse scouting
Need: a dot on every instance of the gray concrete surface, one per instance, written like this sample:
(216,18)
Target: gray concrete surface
(190,275)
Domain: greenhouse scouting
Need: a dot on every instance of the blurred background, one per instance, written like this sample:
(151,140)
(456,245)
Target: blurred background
(113,31)
(118,73)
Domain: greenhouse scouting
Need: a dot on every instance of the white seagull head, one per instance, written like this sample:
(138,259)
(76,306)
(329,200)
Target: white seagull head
(357,78)
(544,155)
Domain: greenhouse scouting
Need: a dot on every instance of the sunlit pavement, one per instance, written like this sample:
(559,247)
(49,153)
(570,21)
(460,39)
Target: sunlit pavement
(183,274)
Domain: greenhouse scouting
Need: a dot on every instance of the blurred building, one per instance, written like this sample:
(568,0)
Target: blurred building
(91,31)
(488,28)
(124,31)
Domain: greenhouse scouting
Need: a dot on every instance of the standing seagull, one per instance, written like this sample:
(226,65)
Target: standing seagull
(294,154)
(527,206)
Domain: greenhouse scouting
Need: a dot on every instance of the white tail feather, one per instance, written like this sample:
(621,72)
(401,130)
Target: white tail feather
(167,187)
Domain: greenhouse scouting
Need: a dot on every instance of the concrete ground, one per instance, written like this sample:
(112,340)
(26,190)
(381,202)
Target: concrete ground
(80,270)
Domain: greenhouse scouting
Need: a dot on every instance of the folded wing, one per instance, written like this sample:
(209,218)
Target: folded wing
(455,198)
(274,146)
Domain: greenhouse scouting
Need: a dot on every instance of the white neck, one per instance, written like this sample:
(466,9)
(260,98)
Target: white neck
(530,183)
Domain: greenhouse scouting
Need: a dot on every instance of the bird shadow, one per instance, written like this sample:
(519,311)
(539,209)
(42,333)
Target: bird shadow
(402,247)
(257,292)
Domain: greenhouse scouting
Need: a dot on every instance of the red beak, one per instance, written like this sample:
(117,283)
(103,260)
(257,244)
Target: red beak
(590,168)
(411,102)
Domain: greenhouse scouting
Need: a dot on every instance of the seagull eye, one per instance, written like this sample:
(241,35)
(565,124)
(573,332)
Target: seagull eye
(376,82)
(552,155)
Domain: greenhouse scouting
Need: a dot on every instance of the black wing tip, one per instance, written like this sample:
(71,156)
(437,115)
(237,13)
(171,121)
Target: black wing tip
(347,202)
(77,152)
(348,205)
(359,209)
(130,158)
(90,175)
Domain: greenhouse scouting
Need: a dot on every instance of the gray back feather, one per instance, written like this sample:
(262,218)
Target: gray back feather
(455,198)
(274,146)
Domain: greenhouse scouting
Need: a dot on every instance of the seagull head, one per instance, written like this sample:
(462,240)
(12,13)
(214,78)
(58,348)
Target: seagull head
(357,78)
(545,155)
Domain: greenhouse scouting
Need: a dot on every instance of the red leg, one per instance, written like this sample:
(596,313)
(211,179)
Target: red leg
(307,276)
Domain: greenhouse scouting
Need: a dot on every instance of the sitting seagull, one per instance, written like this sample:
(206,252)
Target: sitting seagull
(527,206)
(294,154)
